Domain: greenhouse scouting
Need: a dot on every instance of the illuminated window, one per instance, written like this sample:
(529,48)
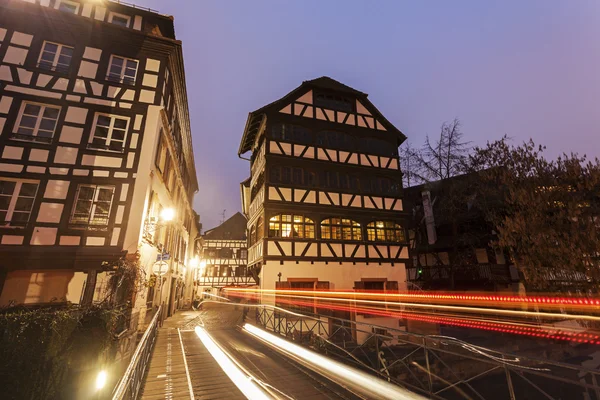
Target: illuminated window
(36,122)
(340,229)
(92,204)
(385,231)
(287,225)
(122,69)
(55,57)
(16,201)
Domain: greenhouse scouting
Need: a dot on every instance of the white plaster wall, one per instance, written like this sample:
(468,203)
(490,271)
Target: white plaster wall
(133,233)
(26,287)
(340,276)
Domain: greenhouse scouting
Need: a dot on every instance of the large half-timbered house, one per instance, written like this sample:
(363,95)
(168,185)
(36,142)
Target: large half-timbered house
(94,142)
(223,257)
(324,199)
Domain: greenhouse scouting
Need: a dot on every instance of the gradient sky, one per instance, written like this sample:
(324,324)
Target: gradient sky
(525,68)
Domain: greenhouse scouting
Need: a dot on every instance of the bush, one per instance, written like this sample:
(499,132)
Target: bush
(51,352)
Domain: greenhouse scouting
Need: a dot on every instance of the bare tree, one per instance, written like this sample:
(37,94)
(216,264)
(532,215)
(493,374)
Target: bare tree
(444,158)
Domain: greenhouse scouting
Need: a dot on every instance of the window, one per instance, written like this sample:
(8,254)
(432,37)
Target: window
(385,231)
(259,228)
(16,201)
(122,69)
(226,253)
(36,122)
(167,173)
(291,133)
(110,132)
(340,229)
(68,6)
(119,19)
(379,147)
(92,204)
(55,57)
(334,102)
(336,140)
(161,154)
(287,225)
(252,235)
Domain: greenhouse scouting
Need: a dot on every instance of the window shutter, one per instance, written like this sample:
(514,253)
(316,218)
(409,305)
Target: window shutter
(359,285)
(391,286)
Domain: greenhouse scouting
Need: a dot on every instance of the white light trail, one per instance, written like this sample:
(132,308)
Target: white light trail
(242,381)
(357,380)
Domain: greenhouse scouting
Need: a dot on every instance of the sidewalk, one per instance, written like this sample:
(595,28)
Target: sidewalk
(166,378)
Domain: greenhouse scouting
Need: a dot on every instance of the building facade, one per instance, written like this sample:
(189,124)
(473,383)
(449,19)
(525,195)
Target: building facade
(224,257)
(324,199)
(95,142)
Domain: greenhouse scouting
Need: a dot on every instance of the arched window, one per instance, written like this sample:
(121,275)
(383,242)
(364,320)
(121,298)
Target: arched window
(385,231)
(288,225)
(340,229)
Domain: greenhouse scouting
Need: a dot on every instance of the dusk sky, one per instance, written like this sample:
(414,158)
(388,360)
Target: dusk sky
(525,68)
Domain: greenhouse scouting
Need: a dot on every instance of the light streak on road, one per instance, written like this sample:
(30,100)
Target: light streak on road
(359,381)
(243,382)
(533,330)
(548,301)
(495,311)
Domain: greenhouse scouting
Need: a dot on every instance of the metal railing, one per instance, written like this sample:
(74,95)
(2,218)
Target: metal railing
(131,382)
(221,281)
(436,366)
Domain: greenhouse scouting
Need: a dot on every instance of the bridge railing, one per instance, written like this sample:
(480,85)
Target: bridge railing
(131,382)
(437,366)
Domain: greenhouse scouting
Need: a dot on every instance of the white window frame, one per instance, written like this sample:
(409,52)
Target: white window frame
(122,74)
(38,122)
(112,14)
(72,3)
(56,56)
(13,201)
(110,131)
(94,203)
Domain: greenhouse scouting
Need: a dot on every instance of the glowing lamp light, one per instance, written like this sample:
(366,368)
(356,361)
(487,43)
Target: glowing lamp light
(167,215)
(101,380)
(194,262)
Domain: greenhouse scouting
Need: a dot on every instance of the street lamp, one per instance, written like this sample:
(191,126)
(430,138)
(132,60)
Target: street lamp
(167,214)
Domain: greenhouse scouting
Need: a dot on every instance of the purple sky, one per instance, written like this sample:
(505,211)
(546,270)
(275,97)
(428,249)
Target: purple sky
(523,68)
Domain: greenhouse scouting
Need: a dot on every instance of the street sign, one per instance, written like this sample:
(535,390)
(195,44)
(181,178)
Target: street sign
(160,268)
(163,257)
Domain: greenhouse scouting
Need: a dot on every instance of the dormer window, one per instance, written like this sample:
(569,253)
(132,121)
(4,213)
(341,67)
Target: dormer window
(122,69)
(334,102)
(67,6)
(119,19)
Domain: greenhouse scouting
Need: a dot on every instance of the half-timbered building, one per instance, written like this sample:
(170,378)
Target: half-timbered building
(324,199)
(94,142)
(224,255)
